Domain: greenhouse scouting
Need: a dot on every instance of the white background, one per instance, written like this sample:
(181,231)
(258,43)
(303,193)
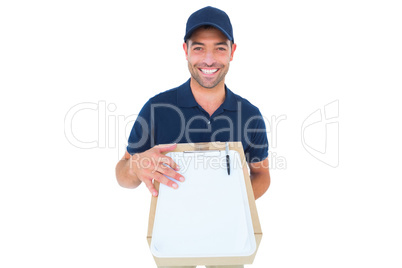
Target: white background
(61,206)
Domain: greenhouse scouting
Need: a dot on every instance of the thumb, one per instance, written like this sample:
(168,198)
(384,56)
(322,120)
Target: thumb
(167,148)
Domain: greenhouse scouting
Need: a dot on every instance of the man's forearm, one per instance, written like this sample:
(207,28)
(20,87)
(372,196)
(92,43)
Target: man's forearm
(124,177)
(260,183)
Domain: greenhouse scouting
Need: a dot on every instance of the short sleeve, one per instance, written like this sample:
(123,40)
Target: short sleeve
(256,139)
(140,135)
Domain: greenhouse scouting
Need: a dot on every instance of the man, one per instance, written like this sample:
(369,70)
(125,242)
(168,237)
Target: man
(201,110)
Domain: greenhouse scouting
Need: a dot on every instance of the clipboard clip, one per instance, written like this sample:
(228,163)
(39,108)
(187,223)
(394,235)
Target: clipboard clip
(204,152)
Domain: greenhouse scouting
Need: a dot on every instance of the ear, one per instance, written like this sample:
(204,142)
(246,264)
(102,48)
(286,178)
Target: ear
(185,49)
(234,46)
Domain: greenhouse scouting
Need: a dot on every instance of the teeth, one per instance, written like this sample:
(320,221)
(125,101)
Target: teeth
(209,71)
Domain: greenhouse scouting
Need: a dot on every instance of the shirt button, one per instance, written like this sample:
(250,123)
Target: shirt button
(209,122)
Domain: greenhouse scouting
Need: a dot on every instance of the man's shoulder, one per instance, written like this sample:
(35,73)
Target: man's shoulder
(170,95)
(246,105)
(167,96)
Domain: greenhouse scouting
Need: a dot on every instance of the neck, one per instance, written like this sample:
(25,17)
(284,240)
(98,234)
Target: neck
(208,98)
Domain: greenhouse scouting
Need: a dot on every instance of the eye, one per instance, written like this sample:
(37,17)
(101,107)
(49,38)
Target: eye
(198,48)
(222,48)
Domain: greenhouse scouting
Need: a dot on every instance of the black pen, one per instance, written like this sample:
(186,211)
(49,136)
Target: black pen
(227,158)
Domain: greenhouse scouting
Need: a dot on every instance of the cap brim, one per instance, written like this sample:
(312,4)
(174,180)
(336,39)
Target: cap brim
(191,31)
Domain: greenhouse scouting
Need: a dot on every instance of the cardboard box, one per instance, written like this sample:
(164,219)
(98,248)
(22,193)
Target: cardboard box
(207,260)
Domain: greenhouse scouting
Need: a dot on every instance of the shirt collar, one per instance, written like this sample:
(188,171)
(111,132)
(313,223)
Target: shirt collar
(185,98)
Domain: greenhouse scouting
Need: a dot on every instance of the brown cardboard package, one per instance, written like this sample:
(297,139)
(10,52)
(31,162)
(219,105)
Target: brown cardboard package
(232,260)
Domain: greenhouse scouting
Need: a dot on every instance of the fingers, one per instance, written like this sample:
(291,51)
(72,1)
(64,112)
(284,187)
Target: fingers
(154,164)
(162,179)
(168,161)
(170,172)
(151,187)
(159,174)
(156,156)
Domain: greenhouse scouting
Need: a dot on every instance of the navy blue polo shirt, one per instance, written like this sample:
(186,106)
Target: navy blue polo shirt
(174,116)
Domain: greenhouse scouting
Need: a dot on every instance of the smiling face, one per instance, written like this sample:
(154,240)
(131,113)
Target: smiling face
(209,52)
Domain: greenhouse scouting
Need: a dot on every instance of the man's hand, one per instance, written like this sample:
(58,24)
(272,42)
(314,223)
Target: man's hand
(153,164)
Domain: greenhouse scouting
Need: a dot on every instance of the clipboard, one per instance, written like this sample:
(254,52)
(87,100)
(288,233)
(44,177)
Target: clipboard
(200,225)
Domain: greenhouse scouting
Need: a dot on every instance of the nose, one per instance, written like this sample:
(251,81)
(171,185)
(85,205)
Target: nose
(209,58)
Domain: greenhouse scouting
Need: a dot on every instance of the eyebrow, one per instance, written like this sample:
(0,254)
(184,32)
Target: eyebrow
(202,44)
(222,43)
(197,44)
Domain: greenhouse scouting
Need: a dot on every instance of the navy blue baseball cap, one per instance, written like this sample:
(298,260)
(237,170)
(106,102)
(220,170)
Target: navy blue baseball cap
(209,16)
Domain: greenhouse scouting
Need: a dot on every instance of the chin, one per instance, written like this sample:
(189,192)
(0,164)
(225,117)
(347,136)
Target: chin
(208,85)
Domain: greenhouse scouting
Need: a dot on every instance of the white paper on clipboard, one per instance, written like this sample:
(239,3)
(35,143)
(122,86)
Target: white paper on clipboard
(208,215)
